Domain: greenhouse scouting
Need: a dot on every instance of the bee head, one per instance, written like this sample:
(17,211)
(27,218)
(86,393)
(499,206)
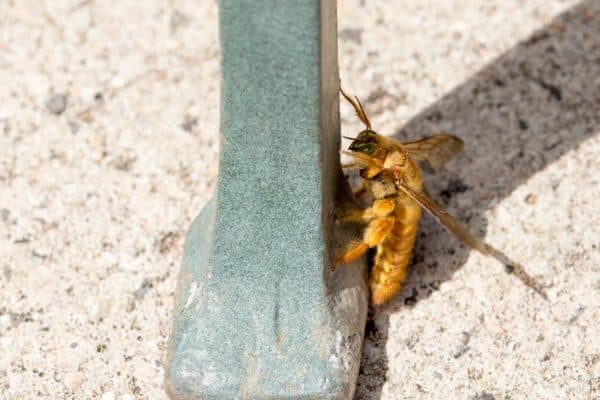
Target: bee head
(366,142)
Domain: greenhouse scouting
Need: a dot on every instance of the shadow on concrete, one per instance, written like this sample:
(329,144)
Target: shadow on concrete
(530,106)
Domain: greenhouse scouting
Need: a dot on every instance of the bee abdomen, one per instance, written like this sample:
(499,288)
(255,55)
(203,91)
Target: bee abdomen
(392,260)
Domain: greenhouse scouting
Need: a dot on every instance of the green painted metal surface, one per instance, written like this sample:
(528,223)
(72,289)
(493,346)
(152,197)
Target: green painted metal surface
(259,312)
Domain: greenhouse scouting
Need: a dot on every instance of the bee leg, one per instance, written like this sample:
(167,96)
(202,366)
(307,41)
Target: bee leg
(365,186)
(362,189)
(380,208)
(375,233)
(351,165)
(359,192)
(351,254)
(352,216)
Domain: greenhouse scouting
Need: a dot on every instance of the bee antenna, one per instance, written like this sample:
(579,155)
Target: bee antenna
(349,138)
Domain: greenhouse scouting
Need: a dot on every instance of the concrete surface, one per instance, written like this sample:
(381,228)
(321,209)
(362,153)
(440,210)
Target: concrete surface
(95,199)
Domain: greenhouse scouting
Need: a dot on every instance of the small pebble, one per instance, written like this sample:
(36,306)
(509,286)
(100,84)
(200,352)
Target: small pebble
(7,272)
(483,396)
(530,198)
(189,124)
(4,213)
(178,19)
(351,34)
(73,127)
(455,186)
(73,380)
(57,103)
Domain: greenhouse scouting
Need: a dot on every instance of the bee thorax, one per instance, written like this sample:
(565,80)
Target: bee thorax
(383,188)
(396,159)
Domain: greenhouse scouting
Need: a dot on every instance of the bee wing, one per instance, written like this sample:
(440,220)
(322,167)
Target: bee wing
(447,220)
(462,232)
(435,150)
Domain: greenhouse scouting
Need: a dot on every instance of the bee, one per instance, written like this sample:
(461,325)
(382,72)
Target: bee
(392,177)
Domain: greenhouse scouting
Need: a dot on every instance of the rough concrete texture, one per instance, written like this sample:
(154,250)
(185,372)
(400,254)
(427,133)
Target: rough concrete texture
(95,200)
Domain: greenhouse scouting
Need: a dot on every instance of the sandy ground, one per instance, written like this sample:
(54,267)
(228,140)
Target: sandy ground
(108,149)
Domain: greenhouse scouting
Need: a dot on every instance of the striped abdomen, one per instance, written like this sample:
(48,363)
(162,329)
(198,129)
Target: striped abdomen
(393,255)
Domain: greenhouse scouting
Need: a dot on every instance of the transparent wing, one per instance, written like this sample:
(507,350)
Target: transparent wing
(435,150)
(462,233)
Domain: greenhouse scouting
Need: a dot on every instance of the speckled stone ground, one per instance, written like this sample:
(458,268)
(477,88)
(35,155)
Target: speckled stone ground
(108,149)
